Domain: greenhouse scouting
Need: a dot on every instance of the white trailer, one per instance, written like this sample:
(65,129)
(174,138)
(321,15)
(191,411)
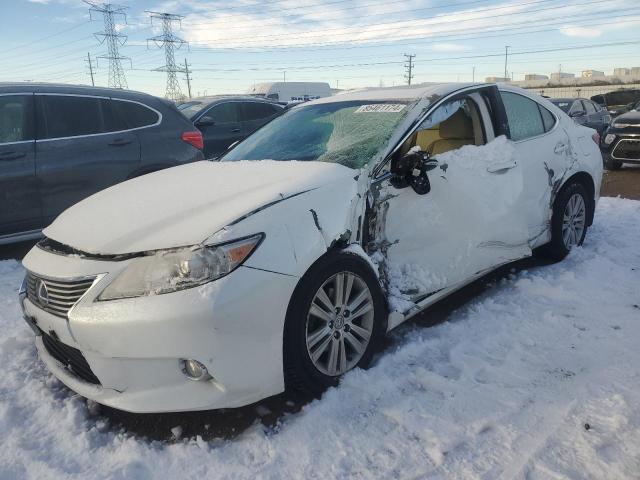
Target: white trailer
(286,92)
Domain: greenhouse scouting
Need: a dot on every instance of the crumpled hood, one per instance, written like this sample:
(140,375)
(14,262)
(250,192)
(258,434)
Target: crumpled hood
(184,205)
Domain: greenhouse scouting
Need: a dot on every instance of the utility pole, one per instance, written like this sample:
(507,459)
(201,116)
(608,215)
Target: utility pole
(113,39)
(408,66)
(284,76)
(506,55)
(186,69)
(88,60)
(169,42)
(473,74)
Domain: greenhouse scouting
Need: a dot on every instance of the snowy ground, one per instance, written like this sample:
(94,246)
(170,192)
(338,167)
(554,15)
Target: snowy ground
(537,378)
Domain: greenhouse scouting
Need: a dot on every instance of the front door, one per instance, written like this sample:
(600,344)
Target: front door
(226,128)
(471,219)
(19,196)
(81,149)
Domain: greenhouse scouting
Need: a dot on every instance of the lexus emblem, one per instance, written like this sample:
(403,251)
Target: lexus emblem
(41,292)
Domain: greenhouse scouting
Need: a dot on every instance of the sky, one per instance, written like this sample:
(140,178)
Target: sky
(349,44)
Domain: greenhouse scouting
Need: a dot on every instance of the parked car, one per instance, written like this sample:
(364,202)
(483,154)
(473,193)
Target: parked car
(225,120)
(217,284)
(61,143)
(619,101)
(584,112)
(621,143)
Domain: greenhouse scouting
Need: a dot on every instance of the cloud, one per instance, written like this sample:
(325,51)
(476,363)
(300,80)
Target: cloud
(575,31)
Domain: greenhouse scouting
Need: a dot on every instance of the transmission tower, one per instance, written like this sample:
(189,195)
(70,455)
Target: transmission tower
(408,66)
(170,43)
(112,38)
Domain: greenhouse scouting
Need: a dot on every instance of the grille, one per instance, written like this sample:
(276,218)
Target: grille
(70,357)
(627,149)
(56,296)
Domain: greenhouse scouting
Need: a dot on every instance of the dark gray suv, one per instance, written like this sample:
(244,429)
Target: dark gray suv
(61,143)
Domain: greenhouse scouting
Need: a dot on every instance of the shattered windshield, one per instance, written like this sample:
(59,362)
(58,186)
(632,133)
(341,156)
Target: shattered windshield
(350,133)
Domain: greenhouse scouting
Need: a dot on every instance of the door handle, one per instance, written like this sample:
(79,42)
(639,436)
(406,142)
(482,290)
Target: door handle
(560,147)
(235,130)
(501,167)
(120,142)
(5,157)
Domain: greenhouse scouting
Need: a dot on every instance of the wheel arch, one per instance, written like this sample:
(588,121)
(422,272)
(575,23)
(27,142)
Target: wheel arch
(586,180)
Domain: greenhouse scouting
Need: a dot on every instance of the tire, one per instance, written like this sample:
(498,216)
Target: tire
(610,164)
(560,246)
(321,333)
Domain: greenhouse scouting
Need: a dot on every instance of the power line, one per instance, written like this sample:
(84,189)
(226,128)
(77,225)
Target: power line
(168,41)
(113,40)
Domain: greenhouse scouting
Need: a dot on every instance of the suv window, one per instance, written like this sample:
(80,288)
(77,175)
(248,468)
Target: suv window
(16,118)
(132,115)
(589,108)
(257,111)
(548,119)
(523,115)
(61,116)
(224,113)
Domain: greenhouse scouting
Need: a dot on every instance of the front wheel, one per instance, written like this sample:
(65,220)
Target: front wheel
(568,222)
(335,321)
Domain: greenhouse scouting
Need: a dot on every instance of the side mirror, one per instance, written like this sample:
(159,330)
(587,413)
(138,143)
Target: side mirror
(411,170)
(578,113)
(205,121)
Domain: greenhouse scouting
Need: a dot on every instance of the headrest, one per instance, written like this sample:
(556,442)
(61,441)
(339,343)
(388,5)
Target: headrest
(457,125)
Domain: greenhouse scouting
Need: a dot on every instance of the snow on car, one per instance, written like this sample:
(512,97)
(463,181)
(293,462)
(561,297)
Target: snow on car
(535,378)
(215,285)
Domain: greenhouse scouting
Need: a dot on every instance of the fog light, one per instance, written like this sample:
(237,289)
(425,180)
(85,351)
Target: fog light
(194,370)
(609,138)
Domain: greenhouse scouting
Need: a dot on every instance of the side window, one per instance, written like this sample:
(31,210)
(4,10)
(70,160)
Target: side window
(61,116)
(224,113)
(132,115)
(523,115)
(590,109)
(548,119)
(16,118)
(257,111)
(451,126)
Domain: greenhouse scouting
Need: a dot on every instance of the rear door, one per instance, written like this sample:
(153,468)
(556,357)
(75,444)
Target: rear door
(256,114)
(543,148)
(81,148)
(19,197)
(226,128)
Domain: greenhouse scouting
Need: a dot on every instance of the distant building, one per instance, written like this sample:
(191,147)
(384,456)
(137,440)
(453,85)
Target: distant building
(635,71)
(496,79)
(592,73)
(557,76)
(535,76)
(620,72)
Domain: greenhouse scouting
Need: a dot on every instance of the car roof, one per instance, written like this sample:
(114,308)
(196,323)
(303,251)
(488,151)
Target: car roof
(220,98)
(565,99)
(63,88)
(414,92)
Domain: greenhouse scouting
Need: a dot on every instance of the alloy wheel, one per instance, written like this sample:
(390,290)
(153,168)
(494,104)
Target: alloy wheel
(574,221)
(339,323)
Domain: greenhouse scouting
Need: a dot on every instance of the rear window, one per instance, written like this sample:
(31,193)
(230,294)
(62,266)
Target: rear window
(134,115)
(562,105)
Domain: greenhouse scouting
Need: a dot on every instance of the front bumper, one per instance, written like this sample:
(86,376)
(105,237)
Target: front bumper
(134,346)
(625,147)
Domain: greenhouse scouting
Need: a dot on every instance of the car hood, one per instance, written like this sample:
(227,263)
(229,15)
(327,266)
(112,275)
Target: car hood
(631,118)
(184,205)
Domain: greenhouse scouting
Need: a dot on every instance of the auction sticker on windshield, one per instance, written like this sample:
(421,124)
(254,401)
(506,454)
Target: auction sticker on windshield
(381,107)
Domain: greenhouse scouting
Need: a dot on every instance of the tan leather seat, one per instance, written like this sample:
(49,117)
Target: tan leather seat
(455,132)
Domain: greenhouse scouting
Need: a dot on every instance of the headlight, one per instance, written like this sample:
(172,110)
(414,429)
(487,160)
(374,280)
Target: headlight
(609,138)
(171,270)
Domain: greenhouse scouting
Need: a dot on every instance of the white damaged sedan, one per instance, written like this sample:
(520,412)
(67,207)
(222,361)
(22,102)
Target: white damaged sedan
(217,284)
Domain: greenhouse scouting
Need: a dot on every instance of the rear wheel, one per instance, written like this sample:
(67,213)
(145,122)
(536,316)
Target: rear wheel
(334,323)
(568,222)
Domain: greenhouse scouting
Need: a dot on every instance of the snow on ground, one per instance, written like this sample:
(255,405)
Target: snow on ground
(538,378)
